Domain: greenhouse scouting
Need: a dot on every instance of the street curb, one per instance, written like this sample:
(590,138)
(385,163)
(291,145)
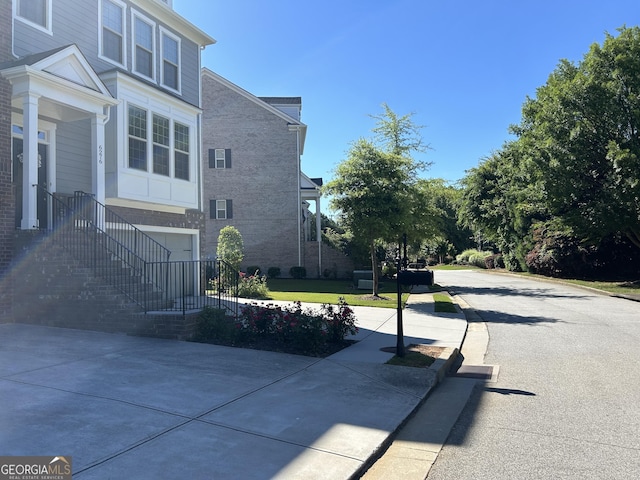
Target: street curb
(441,367)
(443,364)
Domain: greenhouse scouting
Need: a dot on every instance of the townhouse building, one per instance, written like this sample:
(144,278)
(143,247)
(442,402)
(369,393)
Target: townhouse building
(101,102)
(252,177)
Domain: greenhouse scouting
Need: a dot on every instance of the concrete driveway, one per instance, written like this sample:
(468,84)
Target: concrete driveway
(132,407)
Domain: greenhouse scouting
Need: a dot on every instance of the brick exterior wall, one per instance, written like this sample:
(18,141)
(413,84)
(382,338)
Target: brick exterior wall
(262,181)
(335,264)
(54,290)
(193,219)
(7,202)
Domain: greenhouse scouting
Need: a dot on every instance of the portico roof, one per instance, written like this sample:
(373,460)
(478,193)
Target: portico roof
(67,88)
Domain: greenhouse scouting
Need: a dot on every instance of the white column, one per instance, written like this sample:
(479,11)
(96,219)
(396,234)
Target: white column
(30,163)
(97,157)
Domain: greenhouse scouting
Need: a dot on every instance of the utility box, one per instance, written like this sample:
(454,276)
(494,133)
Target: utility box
(361,275)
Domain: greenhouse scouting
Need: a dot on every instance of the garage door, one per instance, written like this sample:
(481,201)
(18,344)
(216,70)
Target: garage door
(180,246)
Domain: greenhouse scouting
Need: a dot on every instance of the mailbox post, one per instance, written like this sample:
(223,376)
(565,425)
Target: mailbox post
(411,277)
(401,264)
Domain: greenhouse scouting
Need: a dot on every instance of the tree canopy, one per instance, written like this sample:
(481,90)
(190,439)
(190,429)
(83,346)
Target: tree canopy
(375,189)
(581,132)
(570,181)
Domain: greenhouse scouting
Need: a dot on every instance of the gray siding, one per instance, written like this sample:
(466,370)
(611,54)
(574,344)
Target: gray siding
(77,22)
(73,157)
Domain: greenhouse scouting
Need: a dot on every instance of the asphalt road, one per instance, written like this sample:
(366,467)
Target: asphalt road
(566,403)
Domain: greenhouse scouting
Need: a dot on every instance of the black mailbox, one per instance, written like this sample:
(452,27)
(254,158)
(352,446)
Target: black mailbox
(415,277)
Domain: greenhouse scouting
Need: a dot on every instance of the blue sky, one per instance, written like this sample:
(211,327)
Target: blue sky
(463,67)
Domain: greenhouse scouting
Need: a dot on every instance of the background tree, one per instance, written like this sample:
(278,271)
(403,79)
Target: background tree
(501,200)
(581,131)
(444,202)
(398,135)
(230,246)
(372,192)
(376,190)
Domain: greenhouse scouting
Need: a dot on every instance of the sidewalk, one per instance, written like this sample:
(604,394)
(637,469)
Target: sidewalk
(131,407)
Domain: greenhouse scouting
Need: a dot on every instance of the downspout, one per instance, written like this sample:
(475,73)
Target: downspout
(296,128)
(299,198)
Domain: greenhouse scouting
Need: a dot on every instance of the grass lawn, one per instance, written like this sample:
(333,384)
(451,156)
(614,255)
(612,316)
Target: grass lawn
(629,288)
(453,267)
(443,303)
(329,291)
(619,287)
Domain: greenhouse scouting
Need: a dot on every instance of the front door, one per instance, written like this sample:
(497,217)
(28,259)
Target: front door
(42,181)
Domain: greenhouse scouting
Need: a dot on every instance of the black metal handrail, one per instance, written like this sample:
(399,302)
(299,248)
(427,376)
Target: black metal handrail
(193,285)
(102,240)
(122,231)
(134,263)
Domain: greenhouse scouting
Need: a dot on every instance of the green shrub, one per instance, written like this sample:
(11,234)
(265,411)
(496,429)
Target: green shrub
(253,286)
(213,324)
(330,273)
(273,272)
(296,330)
(340,320)
(464,256)
(489,262)
(512,263)
(253,270)
(230,246)
(298,272)
(389,269)
(474,257)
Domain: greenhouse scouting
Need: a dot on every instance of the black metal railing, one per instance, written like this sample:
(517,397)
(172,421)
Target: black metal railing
(134,263)
(103,241)
(193,285)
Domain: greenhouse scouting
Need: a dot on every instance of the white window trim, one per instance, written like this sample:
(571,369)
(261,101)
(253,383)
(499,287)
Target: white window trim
(172,164)
(150,144)
(163,32)
(135,14)
(224,158)
(220,209)
(149,132)
(170,147)
(48,28)
(124,34)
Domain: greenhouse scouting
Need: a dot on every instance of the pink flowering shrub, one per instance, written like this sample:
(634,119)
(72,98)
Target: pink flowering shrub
(340,320)
(290,329)
(253,286)
(294,329)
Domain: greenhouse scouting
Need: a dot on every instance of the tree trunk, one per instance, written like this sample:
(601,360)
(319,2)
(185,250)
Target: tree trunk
(634,237)
(374,268)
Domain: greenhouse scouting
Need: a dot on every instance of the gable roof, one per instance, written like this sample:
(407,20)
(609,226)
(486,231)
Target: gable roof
(257,100)
(170,17)
(66,62)
(292,122)
(282,100)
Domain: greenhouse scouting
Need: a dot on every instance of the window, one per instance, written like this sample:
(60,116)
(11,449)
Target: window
(167,147)
(220,158)
(137,138)
(143,54)
(160,145)
(170,60)
(181,151)
(36,12)
(112,46)
(220,209)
